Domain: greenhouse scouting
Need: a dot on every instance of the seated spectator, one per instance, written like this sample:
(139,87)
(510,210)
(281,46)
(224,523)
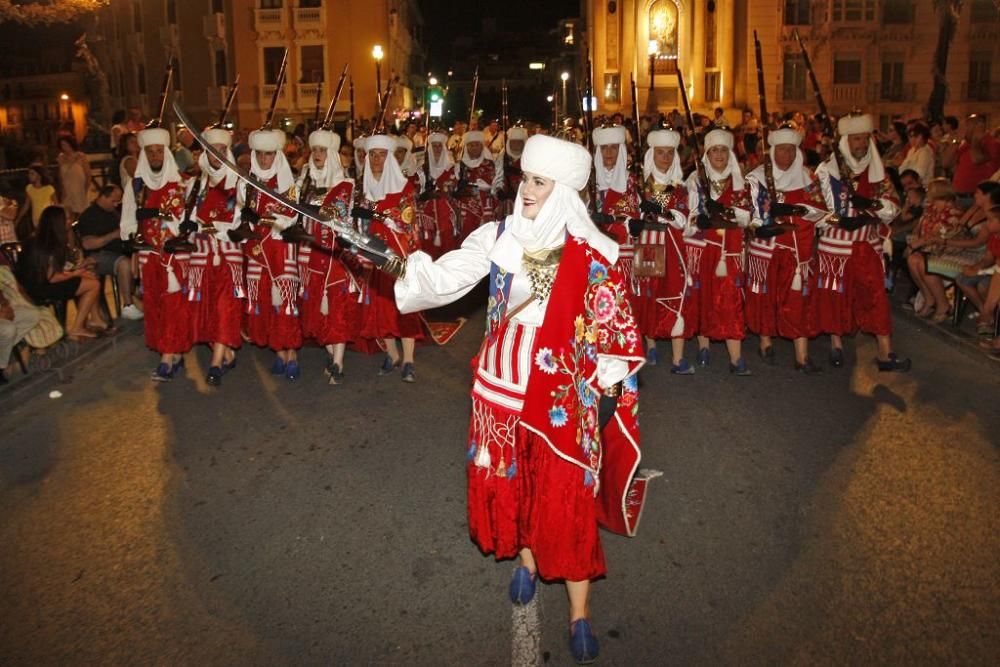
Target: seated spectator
(910,179)
(993,292)
(905,223)
(975,276)
(17,317)
(100,235)
(47,275)
(939,222)
(39,194)
(920,158)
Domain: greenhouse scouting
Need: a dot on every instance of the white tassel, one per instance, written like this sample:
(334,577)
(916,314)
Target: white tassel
(720,269)
(689,280)
(887,247)
(324,305)
(678,329)
(275,295)
(437,239)
(797,280)
(216,260)
(173,285)
(483,457)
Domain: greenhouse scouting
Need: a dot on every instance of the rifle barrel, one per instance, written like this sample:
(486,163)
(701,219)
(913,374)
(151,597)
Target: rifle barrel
(279,82)
(328,119)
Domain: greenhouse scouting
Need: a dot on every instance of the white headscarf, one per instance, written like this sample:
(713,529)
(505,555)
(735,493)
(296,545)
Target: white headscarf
(797,176)
(611,179)
(473,136)
(359,144)
(568,164)
(723,138)
(168,173)
(392,179)
(663,139)
(516,133)
(872,161)
(215,175)
(279,168)
(332,172)
(409,165)
(446,162)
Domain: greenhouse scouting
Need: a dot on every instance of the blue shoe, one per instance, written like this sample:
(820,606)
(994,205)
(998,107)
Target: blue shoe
(522,586)
(227,366)
(278,367)
(387,366)
(683,368)
(703,357)
(408,375)
(837,357)
(582,642)
(292,371)
(163,373)
(176,367)
(214,378)
(651,357)
(740,368)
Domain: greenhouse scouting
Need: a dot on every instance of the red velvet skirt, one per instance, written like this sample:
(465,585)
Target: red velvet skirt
(528,497)
(167,320)
(268,326)
(720,298)
(794,315)
(342,321)
(217,316)
(382,318)
(859,302)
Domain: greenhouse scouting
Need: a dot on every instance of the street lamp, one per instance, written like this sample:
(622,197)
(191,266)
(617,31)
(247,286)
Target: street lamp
(565,77)
(654,49)
(377,55)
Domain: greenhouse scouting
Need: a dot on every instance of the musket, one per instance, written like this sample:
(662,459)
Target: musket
(319,93)
(168,76)
(229,103)
(475,88)
(636,136)
(504,126)
(380,121)
(830,131)
(279,82)
(328,119)
(353,129)
(592,179)
(762,98)
(693,137)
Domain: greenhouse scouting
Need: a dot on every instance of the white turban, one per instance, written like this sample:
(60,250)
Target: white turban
(217,135)
(609,135)
(153,136)
(663,139)
(471,137)
(516,133)
(267,141)
(438,165)
(855,124)
(568,164)
(326,138)
(784,135)
(409,165)
(332,172)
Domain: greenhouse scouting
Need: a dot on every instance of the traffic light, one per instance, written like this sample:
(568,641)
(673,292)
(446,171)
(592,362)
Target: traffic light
(436,94)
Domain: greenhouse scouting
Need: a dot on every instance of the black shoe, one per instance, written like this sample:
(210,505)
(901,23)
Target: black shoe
(894,365)
(767,355)
(214,378)
(837,357)
(408,375)
(388,366)
(336,375)
(808,368)
(740,368)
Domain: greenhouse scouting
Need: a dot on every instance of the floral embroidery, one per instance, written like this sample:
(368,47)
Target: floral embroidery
(604,305)
(558,416)
(545,361)
(598,273)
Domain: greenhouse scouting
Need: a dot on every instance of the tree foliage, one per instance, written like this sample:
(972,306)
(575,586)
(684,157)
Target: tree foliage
(45,13)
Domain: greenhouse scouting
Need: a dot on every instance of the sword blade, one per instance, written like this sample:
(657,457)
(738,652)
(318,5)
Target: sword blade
(345,232)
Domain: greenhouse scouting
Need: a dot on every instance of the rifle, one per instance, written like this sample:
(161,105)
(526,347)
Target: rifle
(351,125)
(592,179)
(328,119)
(693,137)
(279,82)
(472,105)
(763,131)
(637,135)
(319,92)
(504,126)
(229,103)
(168,76)
(829,130)
(380,121)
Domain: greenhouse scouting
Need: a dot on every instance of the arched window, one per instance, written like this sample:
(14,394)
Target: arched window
(663,29)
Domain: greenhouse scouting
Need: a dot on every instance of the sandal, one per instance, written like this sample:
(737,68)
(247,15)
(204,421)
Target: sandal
(940,318)
(76,336)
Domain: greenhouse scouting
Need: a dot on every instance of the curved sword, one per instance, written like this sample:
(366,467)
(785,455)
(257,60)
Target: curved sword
(346,232)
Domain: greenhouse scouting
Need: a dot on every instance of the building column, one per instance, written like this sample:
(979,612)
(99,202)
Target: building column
(695,75)
(727,53)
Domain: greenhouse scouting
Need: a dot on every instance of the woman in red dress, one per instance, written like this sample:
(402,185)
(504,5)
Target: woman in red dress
(436,206)
(390,196)
(553,444)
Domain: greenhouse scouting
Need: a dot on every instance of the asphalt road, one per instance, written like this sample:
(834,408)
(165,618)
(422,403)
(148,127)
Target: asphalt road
(844,519)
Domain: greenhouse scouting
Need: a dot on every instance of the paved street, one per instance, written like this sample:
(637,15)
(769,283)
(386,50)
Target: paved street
(846,519)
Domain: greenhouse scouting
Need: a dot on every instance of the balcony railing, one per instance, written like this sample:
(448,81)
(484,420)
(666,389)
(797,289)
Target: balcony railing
(791,93)
(214,26)
(216,97)
(310,17)
(987,91)
(267,90)
(270,19)
(893,92)
(848,94)
(306,98)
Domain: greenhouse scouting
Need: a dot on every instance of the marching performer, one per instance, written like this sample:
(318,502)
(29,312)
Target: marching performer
(330,294)
(408,162)
(554,442)
(781,253)
(359,157)
(660,266)
(618,192)
(215,280)
(272,272)
(476,175)
(715,251)
(152,209)
(516,136)
(850,294)
(389,206)
(435,202)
